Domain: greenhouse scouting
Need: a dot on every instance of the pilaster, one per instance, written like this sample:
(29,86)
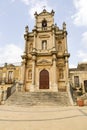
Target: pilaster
(24,57)
(55,87)
(32,87)
(34,45)
(53,32)
(23,72)
(66,72)
(26,36)
(65,37)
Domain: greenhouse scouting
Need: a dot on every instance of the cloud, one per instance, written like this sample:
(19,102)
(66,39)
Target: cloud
(10,53)
(36,5)
(84,39)
(82,55)
(72,66)
(80,17)
(26,2)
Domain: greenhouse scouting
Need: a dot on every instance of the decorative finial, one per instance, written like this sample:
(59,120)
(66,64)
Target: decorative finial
(35,13)
(64,26)
(44,10)
(26,29)
(52,12)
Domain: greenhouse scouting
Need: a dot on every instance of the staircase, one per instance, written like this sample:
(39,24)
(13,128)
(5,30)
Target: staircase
(38,99)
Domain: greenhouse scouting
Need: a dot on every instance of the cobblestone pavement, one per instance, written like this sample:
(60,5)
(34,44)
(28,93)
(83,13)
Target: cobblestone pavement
(43,118)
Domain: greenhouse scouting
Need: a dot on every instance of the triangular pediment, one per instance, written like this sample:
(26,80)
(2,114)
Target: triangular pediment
(44,12)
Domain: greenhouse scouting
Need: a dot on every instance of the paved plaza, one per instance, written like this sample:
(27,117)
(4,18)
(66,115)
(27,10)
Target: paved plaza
(43,118)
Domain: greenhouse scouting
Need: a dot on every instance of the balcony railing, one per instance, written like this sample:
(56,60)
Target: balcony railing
(7,81)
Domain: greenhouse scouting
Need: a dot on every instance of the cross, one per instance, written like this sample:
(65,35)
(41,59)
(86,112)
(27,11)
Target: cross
(44,7)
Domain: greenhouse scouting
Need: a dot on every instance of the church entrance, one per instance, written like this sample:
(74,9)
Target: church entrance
(44,79)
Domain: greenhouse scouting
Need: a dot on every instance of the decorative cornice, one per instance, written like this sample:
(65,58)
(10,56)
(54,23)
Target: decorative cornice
(67,54)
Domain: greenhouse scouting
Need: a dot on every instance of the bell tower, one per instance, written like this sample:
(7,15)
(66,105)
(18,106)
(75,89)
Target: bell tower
(44,20)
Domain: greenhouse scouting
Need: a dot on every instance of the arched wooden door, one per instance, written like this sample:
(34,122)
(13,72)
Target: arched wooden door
(44,79)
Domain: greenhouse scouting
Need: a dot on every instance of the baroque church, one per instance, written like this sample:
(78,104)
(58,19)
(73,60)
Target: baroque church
(45,65)
(45,59)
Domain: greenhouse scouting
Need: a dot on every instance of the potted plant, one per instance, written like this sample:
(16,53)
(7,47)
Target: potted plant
(80,102)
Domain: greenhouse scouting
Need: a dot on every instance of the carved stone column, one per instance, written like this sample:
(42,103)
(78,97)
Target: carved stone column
(67,71)
(0,96)
(55,87)
(53,31)
(24,57)
(67,67)
(26,36)
(33,72)
(23,72)
(66,54)
(32,87)
(65,37)
(34,45)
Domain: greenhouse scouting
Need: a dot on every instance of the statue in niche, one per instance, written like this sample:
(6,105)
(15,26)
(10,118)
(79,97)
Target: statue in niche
(44,45)
(30,47)
(61,74)
(60,46)
(29,74)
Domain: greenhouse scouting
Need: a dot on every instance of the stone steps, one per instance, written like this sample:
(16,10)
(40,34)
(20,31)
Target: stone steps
(38,98)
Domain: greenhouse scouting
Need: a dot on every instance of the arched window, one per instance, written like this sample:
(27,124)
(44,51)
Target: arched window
(76,81)
(10,76)
(44,23)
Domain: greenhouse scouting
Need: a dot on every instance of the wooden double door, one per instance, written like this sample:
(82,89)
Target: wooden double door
(44,79)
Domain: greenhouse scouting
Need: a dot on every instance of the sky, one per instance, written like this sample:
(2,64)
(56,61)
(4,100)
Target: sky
(16,14)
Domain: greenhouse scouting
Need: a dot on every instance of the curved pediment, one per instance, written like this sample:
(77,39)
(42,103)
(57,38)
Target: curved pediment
(44,12)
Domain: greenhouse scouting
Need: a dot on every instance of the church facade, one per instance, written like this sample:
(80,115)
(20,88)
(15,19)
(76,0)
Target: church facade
(45,59)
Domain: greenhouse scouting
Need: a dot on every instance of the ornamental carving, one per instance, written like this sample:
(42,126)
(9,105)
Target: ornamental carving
(43,62)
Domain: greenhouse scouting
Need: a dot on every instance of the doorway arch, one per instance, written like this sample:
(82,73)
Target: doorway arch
(44,79)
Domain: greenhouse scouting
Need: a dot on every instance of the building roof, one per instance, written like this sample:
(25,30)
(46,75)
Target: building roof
(80,67)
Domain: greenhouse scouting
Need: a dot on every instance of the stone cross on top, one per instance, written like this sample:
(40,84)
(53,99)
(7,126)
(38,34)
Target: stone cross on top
(44,7)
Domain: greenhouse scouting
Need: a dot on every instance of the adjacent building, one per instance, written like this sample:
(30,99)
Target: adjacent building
(78,77)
